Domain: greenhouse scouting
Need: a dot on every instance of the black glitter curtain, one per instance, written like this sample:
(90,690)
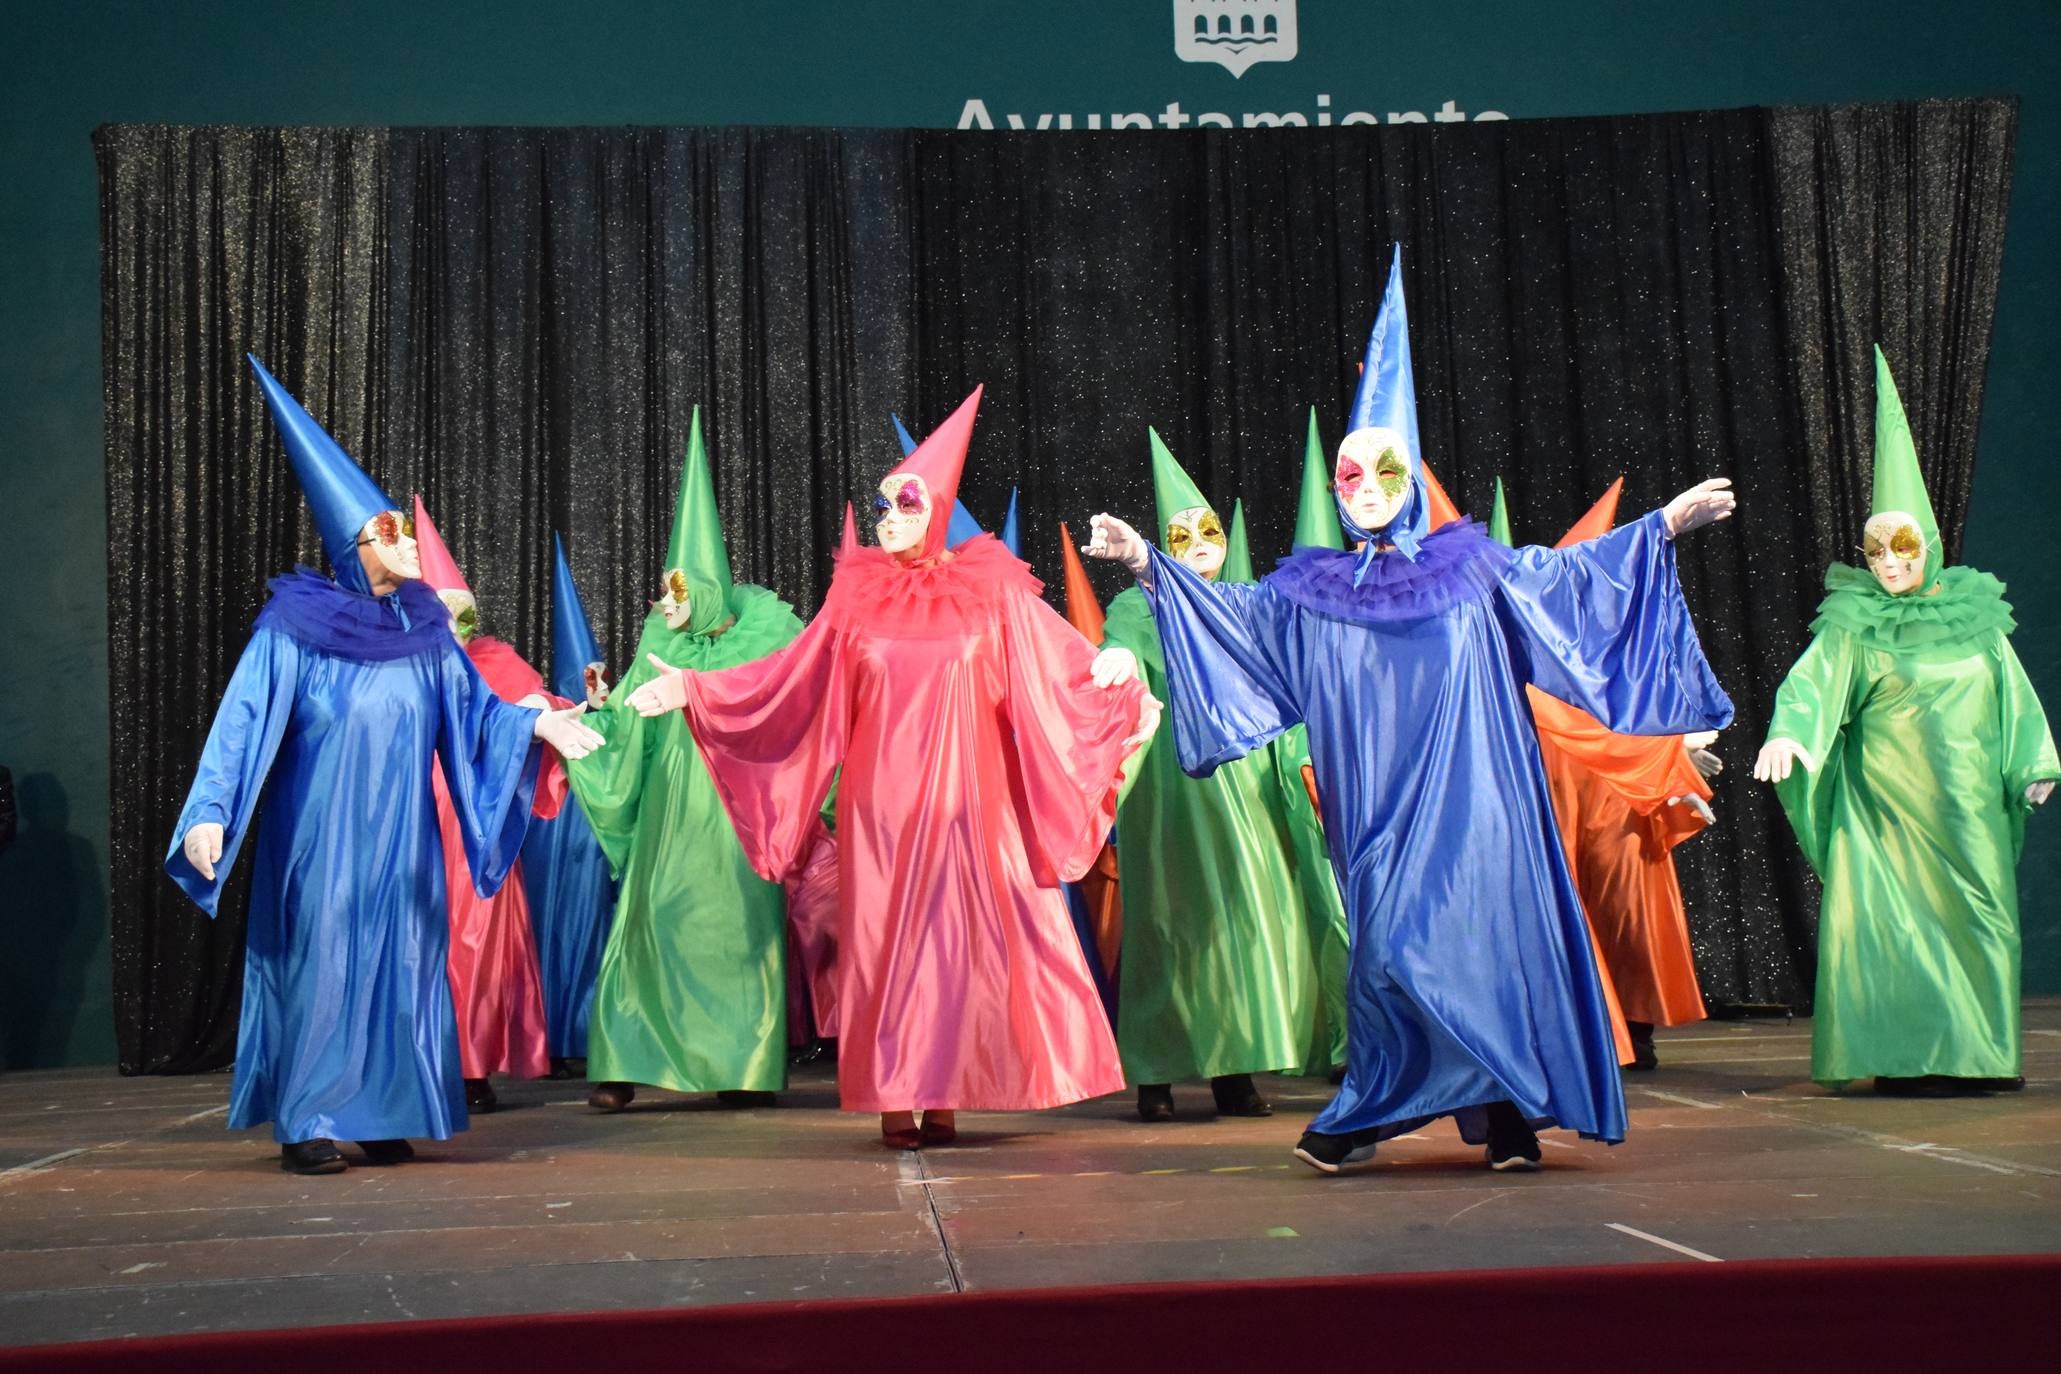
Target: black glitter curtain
(518,323)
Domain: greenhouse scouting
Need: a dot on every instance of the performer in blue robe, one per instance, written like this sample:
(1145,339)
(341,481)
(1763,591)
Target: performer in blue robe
(1472,988)
(564,871)
(344,694)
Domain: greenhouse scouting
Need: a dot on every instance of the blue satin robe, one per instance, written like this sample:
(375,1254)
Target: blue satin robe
(572,904)
(1471,976)
(347,1030)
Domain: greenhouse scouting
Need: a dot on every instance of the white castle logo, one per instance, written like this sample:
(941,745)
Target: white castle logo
(1234,33)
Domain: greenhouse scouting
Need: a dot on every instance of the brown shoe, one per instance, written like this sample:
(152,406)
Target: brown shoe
(939,1128)
(611,1097)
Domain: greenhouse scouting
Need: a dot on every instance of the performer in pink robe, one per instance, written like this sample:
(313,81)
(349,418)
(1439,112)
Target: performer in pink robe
(497,986)
(980,765)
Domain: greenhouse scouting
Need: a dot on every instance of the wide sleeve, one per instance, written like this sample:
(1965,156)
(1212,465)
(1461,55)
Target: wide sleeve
(772,732)
(1129,626)
(1812,707)
(2028,743)
(1646,771)
(609,782)
(490,757)
(512,679)
(1225,692)
(1066,738)
(1604,627)
(256,708)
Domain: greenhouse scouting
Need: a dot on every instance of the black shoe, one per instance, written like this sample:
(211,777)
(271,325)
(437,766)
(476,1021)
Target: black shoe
(312,1157)
(1337,1074)
(737,1099)
(386,1151)
(611,1097)
(1643,1055)
(479,1097)
(1513,1146)
(1331,1154)
(1155,1102)
(562,1069)
(2002,1085)
(1930,1085)
(1236,1096)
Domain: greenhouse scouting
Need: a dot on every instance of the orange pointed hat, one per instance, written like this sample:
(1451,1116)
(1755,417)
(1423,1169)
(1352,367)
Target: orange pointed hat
(1083,611)
(439,570)
(1441,507)
(938,461)
(1600,520)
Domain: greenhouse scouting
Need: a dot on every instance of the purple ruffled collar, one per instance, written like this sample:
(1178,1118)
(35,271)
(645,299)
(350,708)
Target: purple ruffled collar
(308,607)
(1456,562)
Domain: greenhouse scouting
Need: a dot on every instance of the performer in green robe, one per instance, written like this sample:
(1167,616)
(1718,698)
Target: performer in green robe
(1907,748)
(693,986)
(1217,976)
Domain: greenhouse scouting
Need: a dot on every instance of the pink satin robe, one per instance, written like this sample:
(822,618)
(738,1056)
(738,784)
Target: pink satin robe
(979,773)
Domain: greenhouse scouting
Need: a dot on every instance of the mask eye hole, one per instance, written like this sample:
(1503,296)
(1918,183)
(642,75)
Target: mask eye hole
(909,500)
(1177,539)
(1211,529)
(881,506)
(1346,482)
(676,586)
(1391,472)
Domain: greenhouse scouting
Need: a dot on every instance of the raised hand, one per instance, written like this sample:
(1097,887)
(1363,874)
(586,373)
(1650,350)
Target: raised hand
(1706,503)
(203,846)
(563,731)
(1111,538)
(1149,709)
(666,692)
(1113,667)
(2038,792)
(1777,756)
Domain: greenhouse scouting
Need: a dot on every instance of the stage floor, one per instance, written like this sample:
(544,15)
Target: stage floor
(125,1208)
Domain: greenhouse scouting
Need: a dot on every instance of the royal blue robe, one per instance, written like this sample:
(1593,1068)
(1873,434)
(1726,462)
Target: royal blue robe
(572,903)
(1471,976)
(327,730)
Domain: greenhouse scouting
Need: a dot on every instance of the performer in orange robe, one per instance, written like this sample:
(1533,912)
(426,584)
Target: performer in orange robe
(1623,804)
(1100,889)
(979,769)
(497,984)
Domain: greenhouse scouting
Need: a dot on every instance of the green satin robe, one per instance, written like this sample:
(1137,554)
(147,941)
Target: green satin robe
(1230,908)
(692,993)
(1925,733)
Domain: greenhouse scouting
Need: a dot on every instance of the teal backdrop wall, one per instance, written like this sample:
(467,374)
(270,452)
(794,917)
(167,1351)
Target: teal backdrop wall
(72,66)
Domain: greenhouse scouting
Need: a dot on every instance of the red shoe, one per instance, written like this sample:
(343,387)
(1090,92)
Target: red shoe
(937,1132)
(900,1137)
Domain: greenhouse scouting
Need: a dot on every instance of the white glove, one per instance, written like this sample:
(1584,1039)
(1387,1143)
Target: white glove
(666,692)
(1113,539)
(1706,503)
(2035,792)
(203,846)
(1113,667)
(1775,759)
(1696,804)
(1149,709)
(563,731)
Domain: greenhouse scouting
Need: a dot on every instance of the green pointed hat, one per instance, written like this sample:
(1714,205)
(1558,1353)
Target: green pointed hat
(1316,514)
(696,550)
(1172,488)
(1499,519)
(1237,549)
(1898,483)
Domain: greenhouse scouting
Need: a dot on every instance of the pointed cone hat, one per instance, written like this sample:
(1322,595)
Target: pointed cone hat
(1238,550)
(1012,538)
(340,496)
(940,460)
(1899,485)
(1173,490)
(1600,519)
(1386,399)
(963,526)
(1083,611)
(1499,519)
(1439,507)
(573,645)
(848,539)
(696,549)
(439,570)
(1316,513)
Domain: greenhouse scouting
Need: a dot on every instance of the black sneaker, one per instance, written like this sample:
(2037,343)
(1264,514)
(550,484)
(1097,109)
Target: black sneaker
(1513,1146)
(1155,1102)
(1330,1154)
(1236,1096)
(312,1157)
(738,1099)
(1643,1055)
(386,1151)
(479,1096)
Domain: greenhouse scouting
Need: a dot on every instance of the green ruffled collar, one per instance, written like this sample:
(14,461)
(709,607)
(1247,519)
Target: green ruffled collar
(1967,606)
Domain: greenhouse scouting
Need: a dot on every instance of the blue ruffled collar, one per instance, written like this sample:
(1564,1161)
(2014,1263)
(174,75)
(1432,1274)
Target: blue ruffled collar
(1454,563)
(308,607)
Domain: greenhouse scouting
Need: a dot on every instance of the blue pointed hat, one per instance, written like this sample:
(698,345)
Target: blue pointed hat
(1387,399)
(340,496)
(963,526)
(573,645)
(1011,539)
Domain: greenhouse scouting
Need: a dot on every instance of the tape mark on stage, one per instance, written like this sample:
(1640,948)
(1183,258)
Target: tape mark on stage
(1663,1242)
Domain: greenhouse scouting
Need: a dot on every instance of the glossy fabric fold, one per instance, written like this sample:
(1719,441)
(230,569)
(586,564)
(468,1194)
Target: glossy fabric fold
(692,992)
(1471,976)
(572,902)
(347,1027)
(978,772)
